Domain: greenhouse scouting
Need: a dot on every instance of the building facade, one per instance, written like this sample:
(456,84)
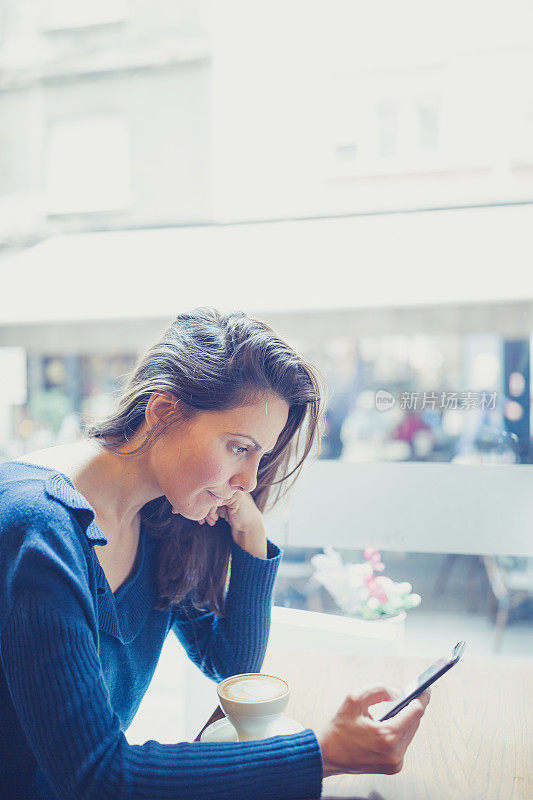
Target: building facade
(106,117)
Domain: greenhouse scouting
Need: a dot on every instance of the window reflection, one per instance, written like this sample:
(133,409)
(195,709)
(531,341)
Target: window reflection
(459,399)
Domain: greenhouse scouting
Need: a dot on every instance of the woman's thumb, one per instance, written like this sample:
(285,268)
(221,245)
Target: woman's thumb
(374,694)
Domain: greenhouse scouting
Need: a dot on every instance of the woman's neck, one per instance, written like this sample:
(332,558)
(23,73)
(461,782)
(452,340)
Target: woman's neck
(116,487)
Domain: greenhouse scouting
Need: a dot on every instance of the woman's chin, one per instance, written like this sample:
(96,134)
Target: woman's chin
(190,516)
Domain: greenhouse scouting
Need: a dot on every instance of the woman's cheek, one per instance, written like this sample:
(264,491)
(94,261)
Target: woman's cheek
(216,471)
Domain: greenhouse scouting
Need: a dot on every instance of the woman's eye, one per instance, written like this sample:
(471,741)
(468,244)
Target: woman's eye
(238,450)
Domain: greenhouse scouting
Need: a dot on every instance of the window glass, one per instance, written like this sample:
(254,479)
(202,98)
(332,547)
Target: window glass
(88,165)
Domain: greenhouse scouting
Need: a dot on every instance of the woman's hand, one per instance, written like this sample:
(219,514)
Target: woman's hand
(245,520)
(353,742)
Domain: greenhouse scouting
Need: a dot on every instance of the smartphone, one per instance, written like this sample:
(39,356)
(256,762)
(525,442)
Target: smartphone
(424,680)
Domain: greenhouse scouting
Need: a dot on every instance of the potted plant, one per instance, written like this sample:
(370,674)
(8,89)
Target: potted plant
(358,591)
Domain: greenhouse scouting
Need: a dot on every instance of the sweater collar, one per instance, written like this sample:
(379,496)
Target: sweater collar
(61,488)
(122,614)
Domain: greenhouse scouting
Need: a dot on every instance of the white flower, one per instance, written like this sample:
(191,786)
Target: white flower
(357,573)
(364,594)
(403,588)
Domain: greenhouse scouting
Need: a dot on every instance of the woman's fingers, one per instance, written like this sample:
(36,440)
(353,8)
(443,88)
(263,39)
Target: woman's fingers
(405,723)
(355,743)
(212,516)
(371,695)
(412,712)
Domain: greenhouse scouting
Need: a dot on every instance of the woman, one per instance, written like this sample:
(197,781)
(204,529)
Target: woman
(108,543)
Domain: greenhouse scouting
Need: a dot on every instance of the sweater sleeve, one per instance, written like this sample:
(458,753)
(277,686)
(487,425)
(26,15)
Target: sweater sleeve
(51,663)
(236,643)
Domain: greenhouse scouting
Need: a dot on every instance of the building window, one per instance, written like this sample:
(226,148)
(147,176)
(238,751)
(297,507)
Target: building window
(407,128)
(88,165)
(388,128)
(428,126)
(346,153)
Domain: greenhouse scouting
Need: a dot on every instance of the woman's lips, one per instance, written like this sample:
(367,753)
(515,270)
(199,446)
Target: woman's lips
(221,499)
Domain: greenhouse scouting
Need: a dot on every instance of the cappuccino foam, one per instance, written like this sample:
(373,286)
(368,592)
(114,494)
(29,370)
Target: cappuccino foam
(254,688)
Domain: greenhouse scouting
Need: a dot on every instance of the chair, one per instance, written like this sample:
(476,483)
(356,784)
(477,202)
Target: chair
(511,580)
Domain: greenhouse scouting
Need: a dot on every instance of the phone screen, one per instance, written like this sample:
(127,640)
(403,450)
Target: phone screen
(424,680)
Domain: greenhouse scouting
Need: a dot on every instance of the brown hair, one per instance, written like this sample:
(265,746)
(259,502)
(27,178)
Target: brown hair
(211,361)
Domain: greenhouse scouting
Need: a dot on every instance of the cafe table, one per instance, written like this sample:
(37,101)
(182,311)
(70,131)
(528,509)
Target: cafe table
(475,741)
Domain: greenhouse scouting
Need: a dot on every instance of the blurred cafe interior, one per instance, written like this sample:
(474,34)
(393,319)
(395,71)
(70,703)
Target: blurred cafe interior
(360,203)
(448,340)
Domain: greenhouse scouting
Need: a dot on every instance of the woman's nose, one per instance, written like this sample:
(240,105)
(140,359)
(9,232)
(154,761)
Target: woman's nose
(245,480)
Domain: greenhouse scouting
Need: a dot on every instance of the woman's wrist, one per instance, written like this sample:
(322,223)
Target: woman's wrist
(327,769)
(253,542)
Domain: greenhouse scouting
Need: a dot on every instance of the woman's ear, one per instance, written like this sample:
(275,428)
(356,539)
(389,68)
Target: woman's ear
(159,407)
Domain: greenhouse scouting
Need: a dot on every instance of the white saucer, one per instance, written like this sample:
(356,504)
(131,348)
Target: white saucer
(223,731)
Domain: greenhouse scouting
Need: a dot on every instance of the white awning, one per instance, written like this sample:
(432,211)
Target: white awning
(476,255)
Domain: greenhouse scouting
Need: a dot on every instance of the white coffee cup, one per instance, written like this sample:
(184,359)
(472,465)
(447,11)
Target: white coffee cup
(253,701)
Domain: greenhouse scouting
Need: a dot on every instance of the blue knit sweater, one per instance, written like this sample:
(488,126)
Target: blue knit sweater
(77,660)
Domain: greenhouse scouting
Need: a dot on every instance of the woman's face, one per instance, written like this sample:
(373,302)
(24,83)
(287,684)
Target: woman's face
(202,463)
